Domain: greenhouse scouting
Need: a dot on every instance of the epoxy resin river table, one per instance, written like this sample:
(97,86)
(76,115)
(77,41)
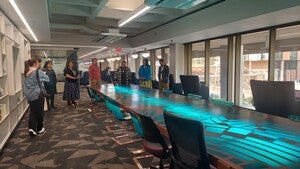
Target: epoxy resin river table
(241,137)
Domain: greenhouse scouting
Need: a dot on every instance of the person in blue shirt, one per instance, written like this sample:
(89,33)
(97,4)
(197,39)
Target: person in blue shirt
(32,92)
(145,74)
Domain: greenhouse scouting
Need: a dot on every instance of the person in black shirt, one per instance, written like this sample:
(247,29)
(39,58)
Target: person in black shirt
(71,91)
(51,85)
(123,75)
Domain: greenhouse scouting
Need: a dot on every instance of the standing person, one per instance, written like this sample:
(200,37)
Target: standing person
(145,74)
(33,84)
(51,85)
(107,75)
(71,91)
(123,75)
(94,73)
(163,75)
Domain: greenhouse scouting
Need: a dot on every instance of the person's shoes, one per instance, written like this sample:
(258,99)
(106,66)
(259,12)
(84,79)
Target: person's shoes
(74,103)
(54,107)
(69,103)
(32,133)
(42,131)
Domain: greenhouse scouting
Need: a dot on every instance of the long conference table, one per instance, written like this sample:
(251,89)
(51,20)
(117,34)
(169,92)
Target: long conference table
(235,137)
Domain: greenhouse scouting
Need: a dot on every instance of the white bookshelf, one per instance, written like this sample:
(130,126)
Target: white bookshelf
(14,50)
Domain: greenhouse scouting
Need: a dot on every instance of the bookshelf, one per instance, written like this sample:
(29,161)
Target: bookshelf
(14,50)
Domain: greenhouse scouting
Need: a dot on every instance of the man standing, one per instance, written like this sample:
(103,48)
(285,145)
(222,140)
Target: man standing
(123,75)
(163,75)
(94,72)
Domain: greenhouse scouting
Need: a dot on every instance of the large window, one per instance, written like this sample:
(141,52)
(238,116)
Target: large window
(157,57)
(167,56)
(254,63)
(198,60)
(218,69)
(287,55)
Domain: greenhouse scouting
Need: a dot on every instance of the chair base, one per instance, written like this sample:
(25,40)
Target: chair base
(140,166)
(123,139)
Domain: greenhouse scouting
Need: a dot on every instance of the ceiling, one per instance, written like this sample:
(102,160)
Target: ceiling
(65,24)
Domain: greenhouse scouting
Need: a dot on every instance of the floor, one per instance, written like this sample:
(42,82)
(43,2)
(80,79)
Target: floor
(75,138)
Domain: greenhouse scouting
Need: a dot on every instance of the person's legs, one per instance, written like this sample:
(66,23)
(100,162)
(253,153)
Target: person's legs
(32,118)
(40,114)
(48,102)
(52,101)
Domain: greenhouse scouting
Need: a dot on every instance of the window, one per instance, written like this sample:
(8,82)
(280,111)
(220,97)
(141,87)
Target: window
(254,63)
(157,57)
(198,60)
(287,56)
(167,56)
(218,69)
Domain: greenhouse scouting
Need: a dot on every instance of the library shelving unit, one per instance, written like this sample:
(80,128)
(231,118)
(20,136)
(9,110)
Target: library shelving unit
(14,50)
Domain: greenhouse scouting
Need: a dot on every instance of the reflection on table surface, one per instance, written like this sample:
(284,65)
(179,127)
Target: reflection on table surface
(244,137)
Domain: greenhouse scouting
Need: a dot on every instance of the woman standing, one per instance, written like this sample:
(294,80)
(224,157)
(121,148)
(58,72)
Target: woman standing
(51,85)
(71,91)
(33,84)
(145,74)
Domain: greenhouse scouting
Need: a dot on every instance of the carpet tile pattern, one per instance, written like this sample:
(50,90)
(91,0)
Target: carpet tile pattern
(75,138)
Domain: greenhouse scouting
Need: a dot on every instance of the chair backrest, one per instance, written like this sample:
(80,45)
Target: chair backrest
(155,84)
(187,139)
(116,110)
(137,124)
(204,92)
(151,133)
(133,78)
(190,84)
(89,92)
(274,97)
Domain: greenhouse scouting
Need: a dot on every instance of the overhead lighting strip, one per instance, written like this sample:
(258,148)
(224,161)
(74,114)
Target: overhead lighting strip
(143,10)
(45,54)
(71,46)
(15,6)
(93,52)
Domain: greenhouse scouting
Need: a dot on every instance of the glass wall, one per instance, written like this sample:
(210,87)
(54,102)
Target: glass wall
(167,56)
(254,63)
(218,68)
(198,60)
(158,56)
(287,55)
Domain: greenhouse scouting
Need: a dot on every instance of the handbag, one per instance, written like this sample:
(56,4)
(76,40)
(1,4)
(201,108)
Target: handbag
(43,92)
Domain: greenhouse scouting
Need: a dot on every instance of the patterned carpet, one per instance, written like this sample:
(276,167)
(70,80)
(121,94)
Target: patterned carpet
(75,138)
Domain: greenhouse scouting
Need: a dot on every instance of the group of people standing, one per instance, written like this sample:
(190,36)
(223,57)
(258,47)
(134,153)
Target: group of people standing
(122,75)
(40,85)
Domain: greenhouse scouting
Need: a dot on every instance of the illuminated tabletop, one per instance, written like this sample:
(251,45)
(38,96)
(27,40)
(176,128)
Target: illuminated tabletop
(242,137)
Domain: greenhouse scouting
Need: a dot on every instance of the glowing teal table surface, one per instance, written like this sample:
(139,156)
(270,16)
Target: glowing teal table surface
(243,137)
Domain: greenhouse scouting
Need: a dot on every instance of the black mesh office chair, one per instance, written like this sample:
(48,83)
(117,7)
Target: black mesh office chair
(153,141)
(176,87)
(133,78)
(155,84)
(187,140)
(190,84)
(274,97)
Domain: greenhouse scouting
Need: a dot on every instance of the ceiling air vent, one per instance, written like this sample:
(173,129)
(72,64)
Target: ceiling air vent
(112,36)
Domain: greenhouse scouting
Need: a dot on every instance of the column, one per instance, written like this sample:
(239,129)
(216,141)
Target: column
(177,65)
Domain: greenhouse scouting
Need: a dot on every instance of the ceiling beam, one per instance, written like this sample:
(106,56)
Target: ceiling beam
(166,11)
(95,11)
(82,28)
(66,9)
(77,2)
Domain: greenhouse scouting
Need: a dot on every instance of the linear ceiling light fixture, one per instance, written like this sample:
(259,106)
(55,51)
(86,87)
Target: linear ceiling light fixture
(45,54)
(93,52)
(15,6)
(140,12)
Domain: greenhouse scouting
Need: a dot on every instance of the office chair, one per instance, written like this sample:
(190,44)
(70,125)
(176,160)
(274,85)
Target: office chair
(187,140)
(274,97)
(153,141)
(190,84)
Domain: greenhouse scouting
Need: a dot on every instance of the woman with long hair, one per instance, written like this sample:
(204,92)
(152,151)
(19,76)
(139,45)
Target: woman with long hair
(145,73)
(51,85)
(33,84)
(71,91)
